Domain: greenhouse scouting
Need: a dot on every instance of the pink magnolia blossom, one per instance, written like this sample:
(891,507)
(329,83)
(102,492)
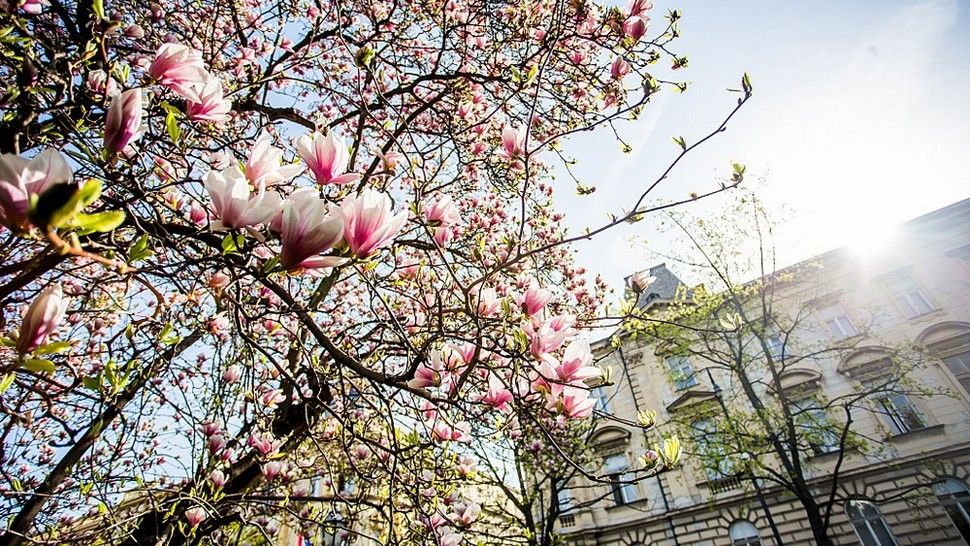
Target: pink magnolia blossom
(42,318)
(33,7)
(513,142)
(497,396)
(271,398)
(264,168)
(443,432)
(195,516)
(327,157)
(232,373)
(635,26)
(309,226)
(271,470)
(572,403)
(534,299)
(123,123)
(197,214)
(180,68)
(488,302)
(232,203)
(263,443)
(466,514)
(619,69)
(211,106)
(450,538)
(22,178)
(101,83)
(640,7)
(217,442)
(575,367)
(639,281)
(368,222)
(390,159)
(217,478)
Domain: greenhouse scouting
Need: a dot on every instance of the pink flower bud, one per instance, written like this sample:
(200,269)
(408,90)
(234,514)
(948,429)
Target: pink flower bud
(619,68)
(232,373)
(42,318)
(179,68)
(195,516)
(123,123)
(218,478)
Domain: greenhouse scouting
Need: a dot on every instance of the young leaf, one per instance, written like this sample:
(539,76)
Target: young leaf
(6,382)
(100,222)
(39,365)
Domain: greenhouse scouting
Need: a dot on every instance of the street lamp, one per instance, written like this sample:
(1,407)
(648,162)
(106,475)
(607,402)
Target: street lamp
(332,530)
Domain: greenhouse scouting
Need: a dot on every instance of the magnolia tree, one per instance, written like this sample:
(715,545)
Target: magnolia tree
(264,265)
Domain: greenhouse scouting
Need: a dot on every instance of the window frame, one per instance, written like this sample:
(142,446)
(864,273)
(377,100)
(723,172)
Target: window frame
(962,503)
(747,527)
(675,371)
(841,332)
(602,398)
(621,493)
(903,289)
(868,522)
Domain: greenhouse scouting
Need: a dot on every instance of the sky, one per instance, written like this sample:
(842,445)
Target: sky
(860,120)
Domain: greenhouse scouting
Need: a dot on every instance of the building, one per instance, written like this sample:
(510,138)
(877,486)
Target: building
(915,491)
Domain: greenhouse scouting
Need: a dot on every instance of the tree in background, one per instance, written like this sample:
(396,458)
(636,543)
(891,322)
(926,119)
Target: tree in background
(749,336)
(251,246)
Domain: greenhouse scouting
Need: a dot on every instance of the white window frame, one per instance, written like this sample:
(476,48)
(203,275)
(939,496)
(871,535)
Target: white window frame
(909,297)
(837,320)
(895,414)
(602,399)
(868,522)
(747,538)
(617,466)
(681,372)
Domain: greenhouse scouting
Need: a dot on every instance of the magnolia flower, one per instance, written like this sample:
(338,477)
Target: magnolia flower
(33,7)
(650,459)
(42,318)
(263,168)
(271,470)
(327,158)
(573,403)
(488,302)
(195,516)
(179,68)
(576,365)
(671,451)
(217,478)
(309,226)
(647,418)
(123,123)
(635,26)
(391,159)
(232,373)
(497,396)
(22,178)
(639,7)
(368,222)
(513,142)
(450,538)
(100,82)
(467,514)
(232,203)
(619,68)
(211,105)
(441,215)
(640,280)
(534,299)
(443,432)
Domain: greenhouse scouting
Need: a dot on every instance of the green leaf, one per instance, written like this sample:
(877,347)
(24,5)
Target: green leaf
(100,222)
(6,382)
(681,142)
(172,126)
(39,365)
(746,84)
(92,382)
(139,250)
(64,208)
(229,244)
(533,72)
(98,8)
(52,348)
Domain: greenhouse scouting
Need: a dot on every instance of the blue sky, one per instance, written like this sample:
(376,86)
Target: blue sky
(860,120)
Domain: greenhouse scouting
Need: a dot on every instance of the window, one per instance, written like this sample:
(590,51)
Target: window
(617,468)
(681,372)
(960,366)
(835,317)
(815,427)
(954,495)
(602,399)
(744,533)
(909,297)
(564,498)
(899,412)
(709,451)
(776,347)
(869,525)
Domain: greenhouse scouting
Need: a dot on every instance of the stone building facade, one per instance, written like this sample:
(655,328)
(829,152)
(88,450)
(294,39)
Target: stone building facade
(916,492)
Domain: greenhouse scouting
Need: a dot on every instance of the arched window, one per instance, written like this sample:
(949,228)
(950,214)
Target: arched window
(744,533)
(869,525)
(954,495)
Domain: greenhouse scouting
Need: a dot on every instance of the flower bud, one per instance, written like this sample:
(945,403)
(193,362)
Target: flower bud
(123,123)
(42,318)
